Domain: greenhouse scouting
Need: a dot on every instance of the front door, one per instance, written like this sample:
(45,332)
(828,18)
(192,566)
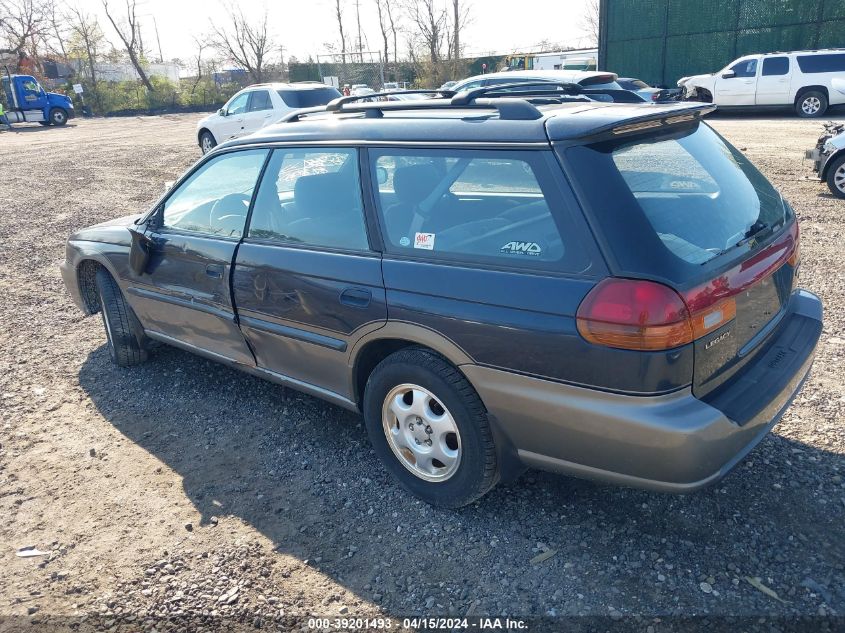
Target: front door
(740,89)
(773,84)
(306,283)
(234,123)
(185,296)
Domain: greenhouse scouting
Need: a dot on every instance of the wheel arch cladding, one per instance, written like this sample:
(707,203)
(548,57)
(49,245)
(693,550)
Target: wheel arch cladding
(370,355)
(804,90)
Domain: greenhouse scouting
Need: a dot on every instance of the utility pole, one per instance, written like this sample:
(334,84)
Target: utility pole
(360,41)
(158,40)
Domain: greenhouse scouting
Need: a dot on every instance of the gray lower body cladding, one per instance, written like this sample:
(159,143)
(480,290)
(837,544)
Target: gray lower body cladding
(672,443)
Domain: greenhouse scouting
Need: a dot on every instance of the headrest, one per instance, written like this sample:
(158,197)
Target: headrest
(321,193)
(414,183)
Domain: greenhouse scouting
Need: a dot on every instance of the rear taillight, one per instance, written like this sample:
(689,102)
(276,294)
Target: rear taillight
(644,315)
(655,96)
(795,259)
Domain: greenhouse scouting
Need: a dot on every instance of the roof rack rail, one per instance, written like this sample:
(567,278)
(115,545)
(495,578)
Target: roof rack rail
(512,100)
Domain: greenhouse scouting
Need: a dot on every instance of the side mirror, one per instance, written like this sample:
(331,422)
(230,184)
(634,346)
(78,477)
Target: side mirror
(139,252)
(381,175)
(728,74)
(222,112)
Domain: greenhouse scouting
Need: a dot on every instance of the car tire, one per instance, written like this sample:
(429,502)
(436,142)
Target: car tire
(811,104)
(58,116)
(452,421)
(124,334)
(207,142)
(836,177)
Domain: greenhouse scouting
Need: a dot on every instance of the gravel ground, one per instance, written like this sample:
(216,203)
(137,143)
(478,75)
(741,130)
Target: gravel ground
(181,488)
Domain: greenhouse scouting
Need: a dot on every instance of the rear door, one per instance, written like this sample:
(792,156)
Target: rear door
(259,111)
(486,248)
(739,90)
(186,295)
(306,282)
(773,84)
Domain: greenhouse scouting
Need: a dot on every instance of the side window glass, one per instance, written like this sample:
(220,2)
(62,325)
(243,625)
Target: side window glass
(311,197)
(494,207)
(215,199)
(775,66)
(260,101)
(238,104)
(746,68)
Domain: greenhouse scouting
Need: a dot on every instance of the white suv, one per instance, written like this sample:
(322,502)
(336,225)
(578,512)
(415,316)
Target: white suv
(809,81)
(256,106)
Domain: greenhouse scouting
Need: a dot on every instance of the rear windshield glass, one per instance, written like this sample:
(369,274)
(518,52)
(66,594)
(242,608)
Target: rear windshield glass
(308,98)
(698,195)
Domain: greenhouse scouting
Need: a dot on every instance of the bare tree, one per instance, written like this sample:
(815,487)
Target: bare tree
(428,24)
(389,8)
(88,37)
(589,22)
(130,34)
(23,23)
(339,16)
(247,44)
(200,45)
(384,27)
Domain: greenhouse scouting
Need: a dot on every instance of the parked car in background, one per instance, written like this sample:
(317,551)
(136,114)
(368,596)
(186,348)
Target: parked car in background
(828,158)
(406,96)
(807,81)
(604,290)
(257,106)
(656,95)
(447,85)
(597,80)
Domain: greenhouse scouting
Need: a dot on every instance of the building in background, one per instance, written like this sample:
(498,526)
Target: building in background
(660,41)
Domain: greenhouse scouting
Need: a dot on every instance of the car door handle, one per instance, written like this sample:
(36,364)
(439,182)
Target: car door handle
(214,270)
(356,297)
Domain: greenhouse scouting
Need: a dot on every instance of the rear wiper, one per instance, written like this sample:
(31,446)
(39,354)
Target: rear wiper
(755,229)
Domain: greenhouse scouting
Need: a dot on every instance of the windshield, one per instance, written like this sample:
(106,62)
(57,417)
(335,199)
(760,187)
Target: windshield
(308,98)
(699,196)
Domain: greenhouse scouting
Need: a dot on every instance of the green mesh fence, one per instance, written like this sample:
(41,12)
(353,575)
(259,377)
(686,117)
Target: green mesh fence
(660,41)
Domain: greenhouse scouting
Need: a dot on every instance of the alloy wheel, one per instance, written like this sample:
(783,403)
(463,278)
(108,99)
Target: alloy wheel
(811,105)
(839,178)
(421,433)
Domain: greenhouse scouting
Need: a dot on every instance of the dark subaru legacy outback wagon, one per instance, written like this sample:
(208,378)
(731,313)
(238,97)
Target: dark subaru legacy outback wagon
(496,281)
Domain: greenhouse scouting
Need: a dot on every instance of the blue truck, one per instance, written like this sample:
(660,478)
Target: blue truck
(26,101)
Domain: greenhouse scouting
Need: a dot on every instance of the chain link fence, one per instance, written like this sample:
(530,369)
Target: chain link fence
(364,68)
(660,41)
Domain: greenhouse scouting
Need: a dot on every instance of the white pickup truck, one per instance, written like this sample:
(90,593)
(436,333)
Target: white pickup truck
(808,81)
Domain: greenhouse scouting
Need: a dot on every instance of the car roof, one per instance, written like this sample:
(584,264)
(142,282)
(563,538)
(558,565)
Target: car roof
(573,76)
(298,85)
(425,122)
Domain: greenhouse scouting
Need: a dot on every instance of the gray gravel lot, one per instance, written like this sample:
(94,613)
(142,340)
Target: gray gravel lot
(183,488)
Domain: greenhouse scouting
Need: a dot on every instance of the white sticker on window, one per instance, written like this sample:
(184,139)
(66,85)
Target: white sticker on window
(404,241)
(522,248)
(424,240)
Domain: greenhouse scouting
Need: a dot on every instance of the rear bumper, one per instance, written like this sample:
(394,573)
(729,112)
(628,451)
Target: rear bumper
(671,443)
